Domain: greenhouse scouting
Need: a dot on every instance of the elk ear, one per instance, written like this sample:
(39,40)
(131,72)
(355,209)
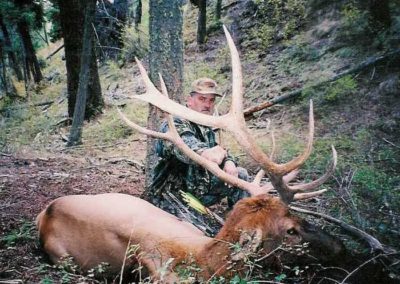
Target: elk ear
(249,241)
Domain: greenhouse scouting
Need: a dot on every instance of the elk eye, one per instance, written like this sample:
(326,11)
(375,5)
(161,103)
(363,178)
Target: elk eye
(291,232)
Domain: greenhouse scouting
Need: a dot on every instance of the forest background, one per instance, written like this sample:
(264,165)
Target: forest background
(344,55)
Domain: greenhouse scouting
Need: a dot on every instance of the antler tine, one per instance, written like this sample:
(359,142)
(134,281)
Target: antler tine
(314,184)
(272,155)
(300,160)
(150,88)
(170,119)
(141,129)
(290,176)
(171,125)
(164,90)
(308,195)
(258,177)
(237,80)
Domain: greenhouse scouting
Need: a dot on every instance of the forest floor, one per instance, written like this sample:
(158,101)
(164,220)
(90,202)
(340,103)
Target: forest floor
(27,185)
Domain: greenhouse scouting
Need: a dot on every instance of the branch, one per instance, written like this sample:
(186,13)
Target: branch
(54,52)
(27,106)
(367,63)
(359,267)
(373,242)
(41,37)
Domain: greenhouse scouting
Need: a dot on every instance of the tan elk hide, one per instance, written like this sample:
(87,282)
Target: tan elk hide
(95,229)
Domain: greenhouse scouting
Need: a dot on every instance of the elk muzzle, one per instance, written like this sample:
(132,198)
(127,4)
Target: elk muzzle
(322,245)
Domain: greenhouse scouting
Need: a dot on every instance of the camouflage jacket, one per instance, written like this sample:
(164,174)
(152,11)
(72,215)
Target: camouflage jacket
(174,171)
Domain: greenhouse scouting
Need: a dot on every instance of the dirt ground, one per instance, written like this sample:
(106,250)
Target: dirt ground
(28,185)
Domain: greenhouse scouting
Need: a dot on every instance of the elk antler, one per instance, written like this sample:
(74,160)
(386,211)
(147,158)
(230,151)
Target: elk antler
(234,122)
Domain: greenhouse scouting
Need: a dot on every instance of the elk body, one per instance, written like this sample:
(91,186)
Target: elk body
(99,228)
(95,229)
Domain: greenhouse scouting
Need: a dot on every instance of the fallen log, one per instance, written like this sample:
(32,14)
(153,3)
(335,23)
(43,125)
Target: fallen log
(248,113)
(27,106)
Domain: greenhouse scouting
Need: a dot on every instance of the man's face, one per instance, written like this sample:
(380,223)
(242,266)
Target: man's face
(202,103)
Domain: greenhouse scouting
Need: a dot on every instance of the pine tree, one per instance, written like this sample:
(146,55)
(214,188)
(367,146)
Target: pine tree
(166,58)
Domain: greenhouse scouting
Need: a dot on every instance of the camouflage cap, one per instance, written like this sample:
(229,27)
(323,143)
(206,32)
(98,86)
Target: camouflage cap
(204,86)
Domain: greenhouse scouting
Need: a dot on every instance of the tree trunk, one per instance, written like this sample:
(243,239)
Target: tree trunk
(3,75)
(8,85)
(84,75)
(218,7)
(380,13)
(166,58)
(31,62)
(8,47)
(72,20)
(46,38)
(202,22)
(138,13)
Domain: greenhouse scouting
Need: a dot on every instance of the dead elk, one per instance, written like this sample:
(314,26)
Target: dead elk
(99,228)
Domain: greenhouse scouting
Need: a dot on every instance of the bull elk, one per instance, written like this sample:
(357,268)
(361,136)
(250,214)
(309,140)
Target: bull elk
(99,228)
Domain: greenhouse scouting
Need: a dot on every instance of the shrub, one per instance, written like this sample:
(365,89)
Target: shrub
(135,42)
(302,52)
(277,19)
(354,21)
(333,92)
(342,87)
(370,180)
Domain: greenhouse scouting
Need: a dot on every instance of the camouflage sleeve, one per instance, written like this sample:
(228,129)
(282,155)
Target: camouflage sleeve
(189,137)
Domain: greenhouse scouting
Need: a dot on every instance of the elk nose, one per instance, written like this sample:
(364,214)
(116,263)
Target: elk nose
(330,245)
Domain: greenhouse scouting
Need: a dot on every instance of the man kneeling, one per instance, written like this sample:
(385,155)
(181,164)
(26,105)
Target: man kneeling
(174,171)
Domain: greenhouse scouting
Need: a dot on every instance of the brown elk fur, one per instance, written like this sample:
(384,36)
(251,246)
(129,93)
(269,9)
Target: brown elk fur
(95,229)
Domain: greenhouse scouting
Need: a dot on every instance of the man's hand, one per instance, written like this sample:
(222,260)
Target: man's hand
(230,168)
(215,154)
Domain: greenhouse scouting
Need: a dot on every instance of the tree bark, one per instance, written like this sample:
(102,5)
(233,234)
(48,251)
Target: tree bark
(31,62)
(138,13)
(8,47)
(8,85)
(166,58)
(218,8)
(46,39)
(3,75)
(380,13)
(72,21)
(202,22)
(84,75)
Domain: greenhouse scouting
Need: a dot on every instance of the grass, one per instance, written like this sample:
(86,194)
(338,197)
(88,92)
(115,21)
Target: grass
(109,127)
(23,233)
